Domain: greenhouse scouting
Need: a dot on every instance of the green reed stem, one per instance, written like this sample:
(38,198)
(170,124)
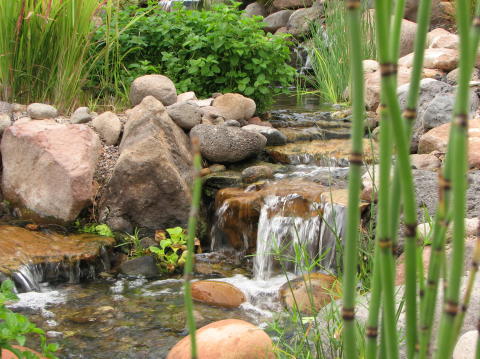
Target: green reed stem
(192,228)
(459,184)
(356,160)
(374,309)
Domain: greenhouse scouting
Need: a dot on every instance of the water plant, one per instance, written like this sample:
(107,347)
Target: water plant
(171,250)
(44,50)
(206,51)
(14,328)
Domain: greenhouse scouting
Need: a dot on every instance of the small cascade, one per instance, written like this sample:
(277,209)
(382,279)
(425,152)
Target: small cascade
(292,243)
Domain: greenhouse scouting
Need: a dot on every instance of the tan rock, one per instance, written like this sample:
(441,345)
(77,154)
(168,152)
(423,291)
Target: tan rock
(373,85)
(309,293)
(441,59)
(227,339)
(438,32)
(450,41)
(425,162)
(109,126)
(370,66)
(437,140)
(48,167)
(234,106)
(291,4)
(158,86)
(407,37)
(217,293)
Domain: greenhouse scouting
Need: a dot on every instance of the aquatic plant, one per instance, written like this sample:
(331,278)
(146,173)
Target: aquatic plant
(14,328)
(171,250)
(44,50)
(206,51)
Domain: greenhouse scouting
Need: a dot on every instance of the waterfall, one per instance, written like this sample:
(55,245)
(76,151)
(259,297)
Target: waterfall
(294,243)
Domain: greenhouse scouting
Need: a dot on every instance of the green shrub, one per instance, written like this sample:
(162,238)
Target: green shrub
(207,51)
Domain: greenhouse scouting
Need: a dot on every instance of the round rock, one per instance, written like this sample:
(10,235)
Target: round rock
(41,111)
(81,115)
(109,126)
(226,339)
(225,144)
(158,86)
(217,293)
(235,106)
(185,115)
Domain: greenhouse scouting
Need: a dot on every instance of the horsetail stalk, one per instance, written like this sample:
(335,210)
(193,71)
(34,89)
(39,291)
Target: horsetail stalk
(356,159)
(371,330)
(459,130)
(192,227)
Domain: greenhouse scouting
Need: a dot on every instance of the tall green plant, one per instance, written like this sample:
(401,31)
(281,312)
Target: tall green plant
(43,49)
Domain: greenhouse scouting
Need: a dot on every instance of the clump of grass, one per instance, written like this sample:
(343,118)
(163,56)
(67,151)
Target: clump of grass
(43,49)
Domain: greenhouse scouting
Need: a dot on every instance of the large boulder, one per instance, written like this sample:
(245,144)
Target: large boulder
(150,182)
(226,144)
(299,22)
(435,106)
(437,140)
(48,167)
(226,339)
(234,106)
(277,20)
(158,86)
(184,114)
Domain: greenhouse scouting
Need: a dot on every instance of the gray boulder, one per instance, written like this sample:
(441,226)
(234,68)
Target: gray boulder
(277,20)
(299,22)
(141,266)
(255,9)
(41,111)
(149,187)
(184,114)
(81,115)
(435,106)
(109,126)
(158,86)
(274,137)
(226,144)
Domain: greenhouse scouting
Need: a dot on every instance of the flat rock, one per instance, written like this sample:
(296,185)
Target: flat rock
(217,293)
(225,144)
(48,168)
(226,339)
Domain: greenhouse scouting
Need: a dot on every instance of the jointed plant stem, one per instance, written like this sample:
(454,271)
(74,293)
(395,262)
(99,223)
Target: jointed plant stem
(192,226)
(356,160)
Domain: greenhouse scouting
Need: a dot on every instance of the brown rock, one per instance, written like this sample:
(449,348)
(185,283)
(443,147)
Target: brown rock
(407,37)
(373,85)
(255,173)
(437,140)
(258,121)
(217,293)
(425,162)
(48,167)
(441,59)
(234,106)
(291,4)
(449,41)
(227,339)
(7,354)
(435,33)
(310,292)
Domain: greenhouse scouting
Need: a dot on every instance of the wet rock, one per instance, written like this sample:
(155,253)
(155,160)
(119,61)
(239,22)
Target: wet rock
(6,108)
(334,152)
(255,9)
(309,293)
(217,293)
(218,180)
(233,123)
(277,20)
(234,106)
(141,266)
(217,168)
(158,86)
(226,144)
(427,162)
(7,354)
(452,77)
(291,4)
(18,246)
(441,59)
(41,111)
(48,167)
(299,22)
(185,115)
(153,172)
(437,140)
(81,115)
(226,339)
(5,121)
(407,37)
(109,126)
(466,346)
(186,96)
(255,173)
(274,137)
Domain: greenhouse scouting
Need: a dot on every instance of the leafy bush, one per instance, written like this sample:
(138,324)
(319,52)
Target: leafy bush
(207,51)
(172,250)
(14,327)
